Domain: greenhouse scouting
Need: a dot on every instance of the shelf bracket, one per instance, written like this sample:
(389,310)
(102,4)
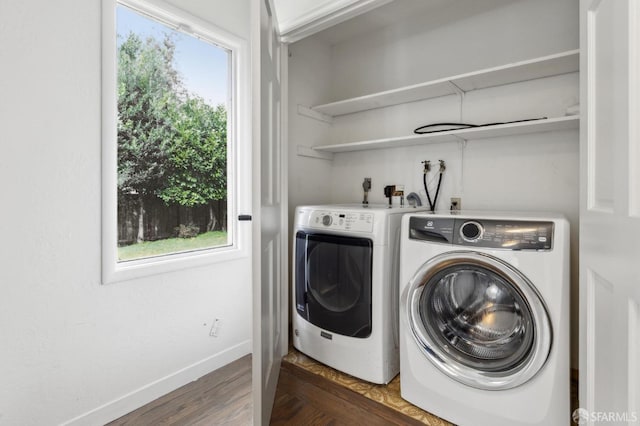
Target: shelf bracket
(308,112)
(305,151)
(462,144)
(460,94)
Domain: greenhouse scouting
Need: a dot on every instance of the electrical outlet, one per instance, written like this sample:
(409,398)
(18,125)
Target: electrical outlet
(215,328)
(456,203)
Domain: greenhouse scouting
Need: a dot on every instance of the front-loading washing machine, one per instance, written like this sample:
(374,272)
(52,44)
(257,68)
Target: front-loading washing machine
(345,287)
(484,317)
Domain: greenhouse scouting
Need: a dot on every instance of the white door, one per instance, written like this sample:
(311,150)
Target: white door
(269,212)
(610,212)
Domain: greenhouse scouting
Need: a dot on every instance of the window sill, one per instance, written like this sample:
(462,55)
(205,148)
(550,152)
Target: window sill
(118,271)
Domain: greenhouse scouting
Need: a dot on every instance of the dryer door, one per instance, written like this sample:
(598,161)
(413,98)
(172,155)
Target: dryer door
(333,282)
(478,320)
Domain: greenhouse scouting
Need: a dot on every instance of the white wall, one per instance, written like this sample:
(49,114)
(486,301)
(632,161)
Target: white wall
(73,348)
(309,178)
(530,172)
(464,37)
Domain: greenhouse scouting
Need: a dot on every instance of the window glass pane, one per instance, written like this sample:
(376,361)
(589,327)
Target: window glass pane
(173,98)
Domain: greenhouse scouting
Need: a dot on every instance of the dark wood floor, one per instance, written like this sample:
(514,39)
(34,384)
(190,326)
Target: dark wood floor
(304,398)
(222,397)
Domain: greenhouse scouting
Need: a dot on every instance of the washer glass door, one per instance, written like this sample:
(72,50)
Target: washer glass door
(479,320)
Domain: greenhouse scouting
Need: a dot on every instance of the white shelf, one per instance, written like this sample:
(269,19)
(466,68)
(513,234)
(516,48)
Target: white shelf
(546,66)
(522,128)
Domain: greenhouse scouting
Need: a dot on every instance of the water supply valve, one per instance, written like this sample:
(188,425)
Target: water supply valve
(366,186)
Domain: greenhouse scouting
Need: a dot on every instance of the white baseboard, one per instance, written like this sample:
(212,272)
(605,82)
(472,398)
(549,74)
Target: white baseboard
(154,390)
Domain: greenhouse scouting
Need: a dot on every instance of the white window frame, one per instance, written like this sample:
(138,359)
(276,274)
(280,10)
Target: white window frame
(238,149)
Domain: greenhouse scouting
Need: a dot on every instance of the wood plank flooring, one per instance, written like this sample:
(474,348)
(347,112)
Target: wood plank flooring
(305,398)
(222,397)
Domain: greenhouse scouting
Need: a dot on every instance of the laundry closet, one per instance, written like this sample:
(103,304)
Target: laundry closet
(357,90)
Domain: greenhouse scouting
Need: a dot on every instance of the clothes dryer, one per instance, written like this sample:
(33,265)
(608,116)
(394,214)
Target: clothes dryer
(484,317)
(345,287)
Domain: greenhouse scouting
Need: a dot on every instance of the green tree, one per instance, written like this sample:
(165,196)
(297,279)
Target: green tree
(148,87)
(197,163)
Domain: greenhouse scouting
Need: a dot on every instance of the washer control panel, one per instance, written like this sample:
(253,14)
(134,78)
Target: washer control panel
(341,221)
(505,234)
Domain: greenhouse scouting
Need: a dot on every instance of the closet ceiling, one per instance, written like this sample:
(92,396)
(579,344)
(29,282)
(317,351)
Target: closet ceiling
(340,20)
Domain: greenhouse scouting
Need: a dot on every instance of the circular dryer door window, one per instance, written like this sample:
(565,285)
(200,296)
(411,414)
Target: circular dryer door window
(479,320)
(337,284)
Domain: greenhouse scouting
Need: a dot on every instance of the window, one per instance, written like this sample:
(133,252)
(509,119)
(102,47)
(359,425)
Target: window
(172,100)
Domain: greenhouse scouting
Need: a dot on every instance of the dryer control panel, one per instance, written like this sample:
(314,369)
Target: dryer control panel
(504,234)
(341,221)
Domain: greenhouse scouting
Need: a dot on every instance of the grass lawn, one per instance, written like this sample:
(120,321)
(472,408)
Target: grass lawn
(172,245)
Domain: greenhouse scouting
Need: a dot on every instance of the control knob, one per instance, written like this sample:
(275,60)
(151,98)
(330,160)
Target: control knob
(327,220)
(471,231)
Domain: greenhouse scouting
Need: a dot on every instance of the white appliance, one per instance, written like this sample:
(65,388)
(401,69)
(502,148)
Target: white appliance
(345,287)
(484,317)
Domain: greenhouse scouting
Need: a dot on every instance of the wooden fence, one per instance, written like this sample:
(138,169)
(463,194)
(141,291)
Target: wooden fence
(160,221)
